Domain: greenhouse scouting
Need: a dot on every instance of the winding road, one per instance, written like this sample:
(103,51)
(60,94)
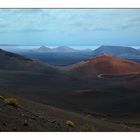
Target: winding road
(110,76)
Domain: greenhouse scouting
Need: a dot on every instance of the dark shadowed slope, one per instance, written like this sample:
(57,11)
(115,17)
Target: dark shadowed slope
(33,116)
(103,64)
(12,61)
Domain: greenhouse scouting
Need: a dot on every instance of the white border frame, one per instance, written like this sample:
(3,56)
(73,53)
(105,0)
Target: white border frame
(70,3)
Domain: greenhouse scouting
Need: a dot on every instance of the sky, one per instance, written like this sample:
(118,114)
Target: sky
(70,27)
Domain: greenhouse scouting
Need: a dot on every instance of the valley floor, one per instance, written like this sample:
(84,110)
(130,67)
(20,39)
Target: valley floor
(60,104)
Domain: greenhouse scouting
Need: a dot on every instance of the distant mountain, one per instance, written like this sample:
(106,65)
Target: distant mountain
(63,49)
(12,61)
(44,49)
(126,52)
(87,50)
(56,50)
(103,64)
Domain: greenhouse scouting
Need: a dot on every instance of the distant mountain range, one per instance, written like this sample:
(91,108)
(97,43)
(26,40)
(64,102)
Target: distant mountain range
(59,49)
(121,51)
(64,55)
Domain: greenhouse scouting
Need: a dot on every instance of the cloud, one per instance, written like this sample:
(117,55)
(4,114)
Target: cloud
(101,29)
(39,20)
(35,30)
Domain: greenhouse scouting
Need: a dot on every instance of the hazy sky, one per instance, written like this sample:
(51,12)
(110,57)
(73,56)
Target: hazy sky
(70,27)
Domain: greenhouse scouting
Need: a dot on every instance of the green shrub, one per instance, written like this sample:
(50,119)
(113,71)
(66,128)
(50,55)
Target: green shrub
(11,101)
(87,128)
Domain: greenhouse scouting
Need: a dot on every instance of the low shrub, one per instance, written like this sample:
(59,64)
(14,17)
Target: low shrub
(11,101)
(1,97)
(89,116)
(87,128)
(70,123)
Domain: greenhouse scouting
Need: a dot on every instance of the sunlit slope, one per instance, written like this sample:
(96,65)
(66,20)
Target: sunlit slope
(103,64)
